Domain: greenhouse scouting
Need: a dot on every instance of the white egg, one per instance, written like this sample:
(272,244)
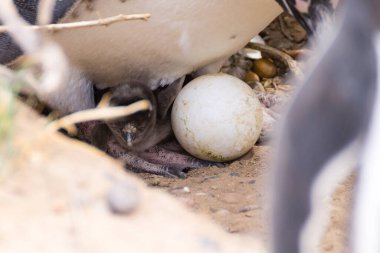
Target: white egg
(217,117)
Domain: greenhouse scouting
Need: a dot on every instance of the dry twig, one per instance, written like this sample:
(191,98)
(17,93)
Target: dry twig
(45,11)
(104,113)
(81,24)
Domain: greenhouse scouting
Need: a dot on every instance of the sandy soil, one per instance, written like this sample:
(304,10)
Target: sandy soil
(236,197)
(233,196)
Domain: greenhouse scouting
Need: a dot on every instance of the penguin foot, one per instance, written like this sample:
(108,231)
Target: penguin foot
(157,160)
(160,155)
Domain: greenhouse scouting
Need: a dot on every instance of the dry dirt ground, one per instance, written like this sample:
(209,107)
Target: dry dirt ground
(236,197)
(61,195)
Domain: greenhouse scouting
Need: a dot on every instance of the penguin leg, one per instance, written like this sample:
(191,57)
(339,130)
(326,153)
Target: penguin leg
(134,162)
(160,155)
(155,160)
(98,134)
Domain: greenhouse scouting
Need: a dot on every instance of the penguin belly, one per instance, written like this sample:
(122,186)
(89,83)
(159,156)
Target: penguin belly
(180,36)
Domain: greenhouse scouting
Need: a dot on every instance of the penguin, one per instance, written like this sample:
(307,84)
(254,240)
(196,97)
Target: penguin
(179,38)
(330,128)
(313,15)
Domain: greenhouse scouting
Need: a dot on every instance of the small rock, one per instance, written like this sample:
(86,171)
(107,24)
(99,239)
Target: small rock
(248,208)
(264,68)
(219,212)
(235,174)
(252,53)
(208,178)
(155,182)
(123,198)
(180,189)
(253,181)
(233,230)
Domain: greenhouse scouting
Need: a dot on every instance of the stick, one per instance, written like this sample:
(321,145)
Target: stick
(82,24)
(104,113)
(45,11)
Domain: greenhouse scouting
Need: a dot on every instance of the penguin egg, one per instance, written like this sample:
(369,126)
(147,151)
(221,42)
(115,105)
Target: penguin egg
(217,117)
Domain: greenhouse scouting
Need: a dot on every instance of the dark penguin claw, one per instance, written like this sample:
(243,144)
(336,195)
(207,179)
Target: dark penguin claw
(176,172)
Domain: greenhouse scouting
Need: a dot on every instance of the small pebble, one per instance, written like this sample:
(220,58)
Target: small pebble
(235,174)
(219,212)
(248,208)
(180,189)
(208,178)
(155,182)
(264,68)
(252,53)
(233,230)
(252,181)
(123,198)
